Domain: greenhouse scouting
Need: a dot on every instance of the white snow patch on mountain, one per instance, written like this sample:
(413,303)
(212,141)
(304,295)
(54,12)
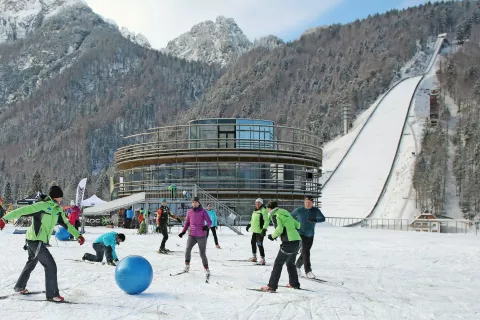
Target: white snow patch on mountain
(20,17)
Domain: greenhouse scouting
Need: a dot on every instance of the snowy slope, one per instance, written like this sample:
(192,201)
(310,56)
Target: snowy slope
(387,275)
(398,201)
(357,183)
(335,150)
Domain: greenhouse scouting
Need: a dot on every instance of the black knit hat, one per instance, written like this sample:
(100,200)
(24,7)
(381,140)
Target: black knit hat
(196,199)
(121,236)
(55,192)
(272,205)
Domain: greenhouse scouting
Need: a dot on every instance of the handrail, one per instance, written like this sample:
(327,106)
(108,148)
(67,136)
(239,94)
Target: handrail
(166,129)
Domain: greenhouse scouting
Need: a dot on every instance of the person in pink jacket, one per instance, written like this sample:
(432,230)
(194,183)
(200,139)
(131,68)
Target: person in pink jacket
(74,218)
(195,220)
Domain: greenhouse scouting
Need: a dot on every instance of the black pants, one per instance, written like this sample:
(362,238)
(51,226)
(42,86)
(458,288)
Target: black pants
(257,240)
(128,223)
(214,232)
(164,231)
(100,250)
(38,252)
(304,258)
(286,255)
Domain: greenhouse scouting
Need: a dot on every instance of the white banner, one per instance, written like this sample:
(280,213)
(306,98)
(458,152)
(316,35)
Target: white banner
(80,192)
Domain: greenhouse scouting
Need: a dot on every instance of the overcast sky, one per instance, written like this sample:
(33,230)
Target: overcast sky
(163,20)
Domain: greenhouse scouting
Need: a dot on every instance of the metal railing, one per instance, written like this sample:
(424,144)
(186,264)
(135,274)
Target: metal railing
(419,225)
(157,189)
(225,215)
(163,141)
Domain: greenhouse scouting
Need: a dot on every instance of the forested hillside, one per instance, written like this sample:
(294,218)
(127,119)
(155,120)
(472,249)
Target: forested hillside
(73,86)
(460,78)
(307,82)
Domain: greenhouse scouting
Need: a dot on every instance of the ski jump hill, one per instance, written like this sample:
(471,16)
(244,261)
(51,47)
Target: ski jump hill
(358,183)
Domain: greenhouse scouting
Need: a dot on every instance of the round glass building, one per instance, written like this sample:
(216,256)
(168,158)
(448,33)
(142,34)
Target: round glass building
(233,160)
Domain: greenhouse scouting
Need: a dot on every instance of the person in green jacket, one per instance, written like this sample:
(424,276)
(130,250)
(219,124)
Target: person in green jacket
(259,226)
(46,214)
(286,229)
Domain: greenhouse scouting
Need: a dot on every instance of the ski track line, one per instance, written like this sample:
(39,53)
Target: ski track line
(139,311)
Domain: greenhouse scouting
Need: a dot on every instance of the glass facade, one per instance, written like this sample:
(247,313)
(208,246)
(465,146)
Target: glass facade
(228,175)
(271,162)
(231,134)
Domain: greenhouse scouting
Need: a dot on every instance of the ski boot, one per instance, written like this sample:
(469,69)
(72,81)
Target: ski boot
(22,291)
(218,246)
(310,275)
(162,250)
(253,259)
(56,299)
(292,287)
(268,289)
(187,268)
(261,262)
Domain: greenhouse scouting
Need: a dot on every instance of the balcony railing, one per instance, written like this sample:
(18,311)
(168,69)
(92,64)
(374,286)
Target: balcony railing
(231,186)
(175,140)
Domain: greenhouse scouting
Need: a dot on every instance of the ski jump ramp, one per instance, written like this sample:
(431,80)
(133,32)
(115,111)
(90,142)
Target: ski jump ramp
(357,183)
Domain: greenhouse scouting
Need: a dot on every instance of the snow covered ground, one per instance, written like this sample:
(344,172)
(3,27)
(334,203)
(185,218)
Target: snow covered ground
(386,274)
(357,183)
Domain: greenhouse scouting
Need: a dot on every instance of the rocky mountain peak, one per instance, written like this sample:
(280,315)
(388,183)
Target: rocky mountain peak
(220,42)
(19,17)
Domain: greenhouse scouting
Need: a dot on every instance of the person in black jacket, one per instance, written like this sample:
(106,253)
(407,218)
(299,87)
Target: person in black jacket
(163,215)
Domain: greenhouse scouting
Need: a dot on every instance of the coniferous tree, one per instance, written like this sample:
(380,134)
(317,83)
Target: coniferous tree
(8,193)
(37,184)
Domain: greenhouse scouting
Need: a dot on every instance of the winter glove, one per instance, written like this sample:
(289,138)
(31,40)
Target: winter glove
(181,234)
(2,224)
(81,240)
(312,220)
(264,232)
(248,226)
(270,237)
(205,228)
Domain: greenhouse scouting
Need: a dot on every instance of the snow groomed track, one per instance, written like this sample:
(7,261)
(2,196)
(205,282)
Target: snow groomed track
(357,183)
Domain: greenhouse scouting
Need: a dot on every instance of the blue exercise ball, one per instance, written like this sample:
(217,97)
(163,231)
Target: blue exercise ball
(133,274)
(62,234)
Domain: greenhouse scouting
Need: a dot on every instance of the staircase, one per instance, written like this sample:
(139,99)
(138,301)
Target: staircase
(225,215)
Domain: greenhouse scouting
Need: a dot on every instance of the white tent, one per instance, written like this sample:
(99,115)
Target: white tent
(115,204)
(92,201)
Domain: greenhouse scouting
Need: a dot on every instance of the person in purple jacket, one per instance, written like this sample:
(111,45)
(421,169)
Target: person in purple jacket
(195,220)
